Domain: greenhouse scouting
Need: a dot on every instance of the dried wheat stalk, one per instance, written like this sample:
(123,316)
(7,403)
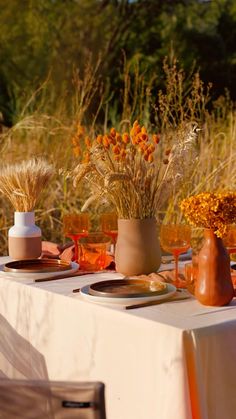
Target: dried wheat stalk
(23,183)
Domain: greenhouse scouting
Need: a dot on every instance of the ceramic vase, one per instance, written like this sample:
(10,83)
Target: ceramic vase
(137,248)
(213,285)
(24,238)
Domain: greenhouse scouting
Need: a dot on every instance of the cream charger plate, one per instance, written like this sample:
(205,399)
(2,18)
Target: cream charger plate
(29,275)
(84,292)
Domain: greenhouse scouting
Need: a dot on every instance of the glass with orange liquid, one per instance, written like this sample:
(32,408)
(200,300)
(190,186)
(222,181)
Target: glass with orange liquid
(76,226)
(230,240)
(175,239)
(109,226)
(93,251)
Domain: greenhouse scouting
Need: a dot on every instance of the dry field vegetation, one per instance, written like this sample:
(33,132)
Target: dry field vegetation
(47,126)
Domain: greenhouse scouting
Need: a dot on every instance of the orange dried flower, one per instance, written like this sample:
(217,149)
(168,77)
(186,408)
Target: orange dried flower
(123,153)
(88,142)
(77,151)
(118,137)
(151,148)
(143,147)
(80,130)
(156,138)
(113,132)
(136,129)
(86,157)
(112,139)
(106,141)
(143,130)
(126,138)
(116,149)
(99,139)
(74,140)
(143,137)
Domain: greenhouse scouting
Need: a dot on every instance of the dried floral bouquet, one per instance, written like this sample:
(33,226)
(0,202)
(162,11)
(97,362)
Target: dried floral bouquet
(211,210)
(133,170)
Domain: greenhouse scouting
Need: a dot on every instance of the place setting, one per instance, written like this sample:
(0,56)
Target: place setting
(38,270)
(131,293)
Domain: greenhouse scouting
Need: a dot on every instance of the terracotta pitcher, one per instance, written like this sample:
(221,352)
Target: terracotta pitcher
(214,285)
(137,249)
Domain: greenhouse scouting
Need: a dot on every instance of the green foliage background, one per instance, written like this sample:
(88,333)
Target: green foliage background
(50,38)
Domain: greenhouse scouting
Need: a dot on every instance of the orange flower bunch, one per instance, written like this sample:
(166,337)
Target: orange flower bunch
(119,145)
(130,169)
(211,210)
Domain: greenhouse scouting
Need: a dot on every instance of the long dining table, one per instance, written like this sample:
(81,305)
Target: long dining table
(166,361)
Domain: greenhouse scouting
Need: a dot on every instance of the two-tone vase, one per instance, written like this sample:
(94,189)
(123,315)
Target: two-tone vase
(24,237)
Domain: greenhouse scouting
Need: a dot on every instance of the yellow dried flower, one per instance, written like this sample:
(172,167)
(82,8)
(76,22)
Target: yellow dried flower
(211,210)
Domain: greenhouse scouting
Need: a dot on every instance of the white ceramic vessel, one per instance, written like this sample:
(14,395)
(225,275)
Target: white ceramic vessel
(24,238)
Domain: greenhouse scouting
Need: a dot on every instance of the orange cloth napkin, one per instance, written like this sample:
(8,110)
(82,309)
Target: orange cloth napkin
(66,252)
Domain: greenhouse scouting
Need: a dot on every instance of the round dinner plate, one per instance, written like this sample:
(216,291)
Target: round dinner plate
(84,292)
(37,266)
(29,275)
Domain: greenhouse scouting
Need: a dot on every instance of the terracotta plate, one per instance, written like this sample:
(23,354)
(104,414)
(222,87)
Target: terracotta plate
(130,288)
(37,265)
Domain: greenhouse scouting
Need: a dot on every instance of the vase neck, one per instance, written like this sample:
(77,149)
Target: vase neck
(24,218)
(209,234)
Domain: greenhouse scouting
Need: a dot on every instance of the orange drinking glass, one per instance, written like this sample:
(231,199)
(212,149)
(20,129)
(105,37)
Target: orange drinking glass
(76,226)
(109,225)
(230,240)
(175,239)
(93,251)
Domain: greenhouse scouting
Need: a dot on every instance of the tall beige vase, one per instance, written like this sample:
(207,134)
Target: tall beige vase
(138,248)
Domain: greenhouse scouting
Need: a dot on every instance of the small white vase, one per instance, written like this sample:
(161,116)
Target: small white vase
(24,238)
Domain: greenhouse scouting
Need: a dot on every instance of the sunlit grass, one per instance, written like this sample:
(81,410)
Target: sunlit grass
(46,126)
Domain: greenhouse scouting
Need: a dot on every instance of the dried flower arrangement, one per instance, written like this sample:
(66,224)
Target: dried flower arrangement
(133,171)
(211,210)
(22,183)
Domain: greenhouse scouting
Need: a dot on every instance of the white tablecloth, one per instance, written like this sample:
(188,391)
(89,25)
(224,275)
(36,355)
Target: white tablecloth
(171,361)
